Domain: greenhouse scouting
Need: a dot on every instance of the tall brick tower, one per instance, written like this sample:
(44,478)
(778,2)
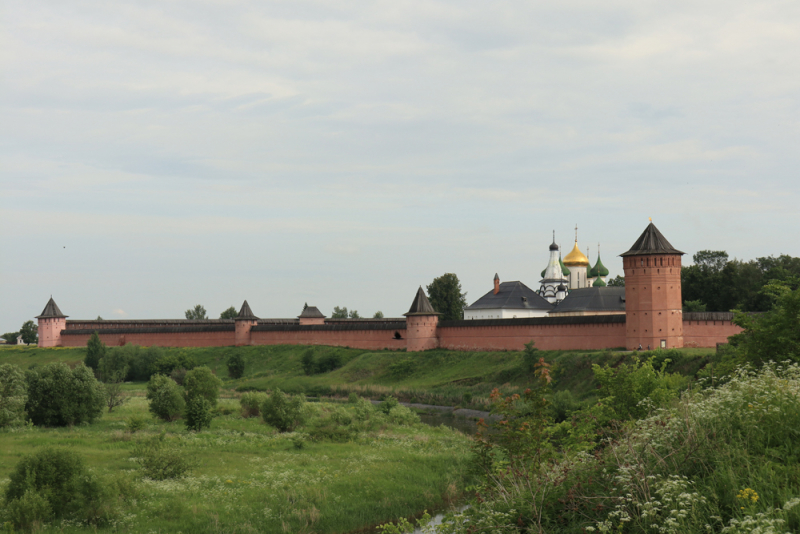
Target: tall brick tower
(51,323)
(421,323)
(653,307)
(243,323)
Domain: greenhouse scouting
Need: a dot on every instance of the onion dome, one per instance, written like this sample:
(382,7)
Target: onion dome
(561,288)
(599,283)
(564,270)
(544,271)
(599,269)
(576,258)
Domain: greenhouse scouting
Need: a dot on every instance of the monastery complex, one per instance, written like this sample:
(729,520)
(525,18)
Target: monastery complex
(573,309)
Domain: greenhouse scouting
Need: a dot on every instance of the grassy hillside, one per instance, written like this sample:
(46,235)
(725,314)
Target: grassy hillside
(437,376)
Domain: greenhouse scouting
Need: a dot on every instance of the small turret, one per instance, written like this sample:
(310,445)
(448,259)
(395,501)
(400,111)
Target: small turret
(244,322)
(421,323)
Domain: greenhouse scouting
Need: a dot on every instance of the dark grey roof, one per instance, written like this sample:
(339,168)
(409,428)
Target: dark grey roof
(651,242)
(246,312)
(51,311)
(512,295)
(707,316)
(334,326)
(524,321)
(595,299)
(311,312)
(221,327)
(421,305)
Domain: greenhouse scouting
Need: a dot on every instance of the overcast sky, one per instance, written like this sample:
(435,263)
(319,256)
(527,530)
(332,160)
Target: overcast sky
(156,155)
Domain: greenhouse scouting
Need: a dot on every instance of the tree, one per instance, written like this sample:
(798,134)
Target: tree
(11,337)
(29,332)
(201,382)
(617,281)
(772,335)
(378,315)
(95,350)
(198,312)
(339,313)
(530,357)
(113,392)
(446,297)
(166,398)
(230,313)
(307,362)
(198,414)
(13,395)
(60,396)
(353,314)
(282,412)
(236,366)
(694,306)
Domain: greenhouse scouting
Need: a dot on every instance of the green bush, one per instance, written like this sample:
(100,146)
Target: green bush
(387,404)
(307,362)
(60,396)
(202,382)
(13,396)
(135,423)
(400,415)
(251,403)
(198,413)
(29,512)
(160,461)
(563,404)
(328,362)
(342,417)
(178,375)
(530,357)
(166,364)
(283,412)
(403,368)
(166,398)
(363,410)
(60,478)
(236,366)
(352,398)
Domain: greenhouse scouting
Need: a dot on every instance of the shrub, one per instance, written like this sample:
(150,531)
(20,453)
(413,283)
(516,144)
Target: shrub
(161,462)
(113,395)
(29,512)
(60,478)
(400,415)
(13,396)
(198,413)
(142,364)
(562,404)
(387,404)
(236,366)
(178,375)
(165,364)
(403,368)
(363,410)
(60,396)
(201,382)
(352,398)
(251,403)
(282,412)
(135,423)
(95,350)
(341,417)
(166,398)
(328,362)
(307,362)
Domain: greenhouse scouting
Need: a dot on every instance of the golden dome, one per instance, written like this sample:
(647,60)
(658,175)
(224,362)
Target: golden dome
(576,258)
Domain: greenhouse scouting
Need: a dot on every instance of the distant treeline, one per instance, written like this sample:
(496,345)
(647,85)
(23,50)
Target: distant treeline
(715,283)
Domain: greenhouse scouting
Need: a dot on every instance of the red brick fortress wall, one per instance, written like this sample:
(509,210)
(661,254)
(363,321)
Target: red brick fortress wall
(549,333)
(706,329)
(359,336)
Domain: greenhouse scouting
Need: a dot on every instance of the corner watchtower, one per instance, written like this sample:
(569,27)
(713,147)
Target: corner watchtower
(51,323)
(421,323)
(653,308)
(243,323)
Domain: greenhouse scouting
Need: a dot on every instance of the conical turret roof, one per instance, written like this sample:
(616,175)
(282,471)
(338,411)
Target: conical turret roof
(651,242)
(246,312)
(311,312)
(421,305)
(51,311)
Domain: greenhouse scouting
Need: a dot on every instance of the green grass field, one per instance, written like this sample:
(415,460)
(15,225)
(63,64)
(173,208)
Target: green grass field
(249,478)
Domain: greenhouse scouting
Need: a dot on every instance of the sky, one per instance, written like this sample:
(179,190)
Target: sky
(159,154)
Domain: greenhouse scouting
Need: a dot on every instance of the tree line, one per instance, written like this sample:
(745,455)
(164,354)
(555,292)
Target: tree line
(717,283)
